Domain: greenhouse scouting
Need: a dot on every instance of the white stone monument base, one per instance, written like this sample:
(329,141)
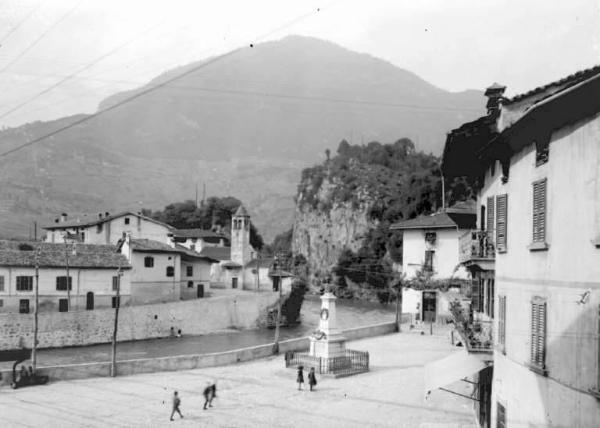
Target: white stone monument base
(333,346)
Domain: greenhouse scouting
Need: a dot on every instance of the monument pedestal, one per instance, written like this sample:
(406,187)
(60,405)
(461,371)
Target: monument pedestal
(327,341)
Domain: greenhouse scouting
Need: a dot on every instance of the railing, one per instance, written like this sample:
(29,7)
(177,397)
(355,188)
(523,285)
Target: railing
(352,362)
(477,244)
(477,335)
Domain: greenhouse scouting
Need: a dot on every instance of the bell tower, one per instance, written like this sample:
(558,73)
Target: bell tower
(240,236)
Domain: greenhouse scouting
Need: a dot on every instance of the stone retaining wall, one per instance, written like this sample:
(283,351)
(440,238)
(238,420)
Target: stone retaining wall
(201,316)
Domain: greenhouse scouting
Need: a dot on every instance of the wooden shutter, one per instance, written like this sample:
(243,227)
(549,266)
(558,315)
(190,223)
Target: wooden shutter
(538,333)
(500,416)
(539,211)
(502,322)
(501,219)
(475,297)
(490,214)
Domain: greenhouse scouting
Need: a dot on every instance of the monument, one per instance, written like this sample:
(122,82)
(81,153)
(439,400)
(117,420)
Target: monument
(327,341)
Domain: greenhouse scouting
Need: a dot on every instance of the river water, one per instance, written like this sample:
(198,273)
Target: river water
(349,314)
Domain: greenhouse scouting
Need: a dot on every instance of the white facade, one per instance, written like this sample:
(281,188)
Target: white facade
(445,253)
(110,229)
(195,278)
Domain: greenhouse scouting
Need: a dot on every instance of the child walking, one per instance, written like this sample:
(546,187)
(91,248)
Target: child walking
(300,377)
(176,403)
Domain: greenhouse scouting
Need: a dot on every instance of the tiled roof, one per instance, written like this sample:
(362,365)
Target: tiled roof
(187,254)
(442,220)
(241,211)
(263,263)
(197,233)
(560,84)
(93,221)
(219,253)
(22,253)
(231,264)
(151,246)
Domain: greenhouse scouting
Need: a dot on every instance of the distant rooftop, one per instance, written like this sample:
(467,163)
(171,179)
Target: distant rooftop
(441,220)
(92,220)
(219,253)
(197,233)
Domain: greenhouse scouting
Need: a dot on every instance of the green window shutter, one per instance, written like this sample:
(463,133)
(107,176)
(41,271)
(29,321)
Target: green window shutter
(539,211)
(490,214)
(501,219)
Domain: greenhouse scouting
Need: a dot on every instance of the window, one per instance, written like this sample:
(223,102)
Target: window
(477,295)
(1,303)
(116,300)
(126,220)
(502,323)
(148,262)
(489,303)
(115,282)
(1,282)
(170,271)
(490,214)
(542,151)
(63,305)
(61,283)
(99,227)
(539,213)
(538,335)
(89,301)
(500,416)
(193,247)
(501,219)
(190,284)
(430,237)
(428,264)
(189,270)
(24,283)
(24,306)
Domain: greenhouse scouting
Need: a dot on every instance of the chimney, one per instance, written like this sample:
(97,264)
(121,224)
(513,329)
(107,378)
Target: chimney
(63,217)
(494,94)
(100,215)
(106,214)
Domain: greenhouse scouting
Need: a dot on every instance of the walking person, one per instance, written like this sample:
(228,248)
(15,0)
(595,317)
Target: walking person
(208,394)
(312,378)
(300,377)
(176,403)
(213,393)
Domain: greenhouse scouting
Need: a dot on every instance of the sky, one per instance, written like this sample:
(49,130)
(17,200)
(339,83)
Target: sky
(62,57)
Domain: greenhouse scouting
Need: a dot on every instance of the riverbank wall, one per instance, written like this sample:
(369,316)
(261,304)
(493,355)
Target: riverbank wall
(188,362)
(241,310)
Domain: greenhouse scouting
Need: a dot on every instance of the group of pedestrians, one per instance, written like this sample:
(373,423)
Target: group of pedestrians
(210,393)
(312,378)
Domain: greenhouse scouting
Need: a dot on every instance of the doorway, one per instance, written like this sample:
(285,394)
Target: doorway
(429,306)
(89,301)
(276,283)
(234,282)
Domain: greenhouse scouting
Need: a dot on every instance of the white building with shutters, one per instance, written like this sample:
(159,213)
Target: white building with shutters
(536,158)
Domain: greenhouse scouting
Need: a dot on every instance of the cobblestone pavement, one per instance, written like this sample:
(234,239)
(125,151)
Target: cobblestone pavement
(261,393)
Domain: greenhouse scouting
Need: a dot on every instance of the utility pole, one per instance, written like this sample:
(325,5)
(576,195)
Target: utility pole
(35,312)
(278,276)
(113,362)
(68,278)
(443,191)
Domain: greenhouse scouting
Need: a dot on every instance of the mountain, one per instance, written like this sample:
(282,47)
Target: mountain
(245,125)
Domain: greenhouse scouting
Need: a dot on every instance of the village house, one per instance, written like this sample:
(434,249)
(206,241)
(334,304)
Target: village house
(536,161)
(94,271)
(430,246)
(198,239)
(106,228)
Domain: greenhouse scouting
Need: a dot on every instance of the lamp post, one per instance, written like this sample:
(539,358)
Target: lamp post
(113,363)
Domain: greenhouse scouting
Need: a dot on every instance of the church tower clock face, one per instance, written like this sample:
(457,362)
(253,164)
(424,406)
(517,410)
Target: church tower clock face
(324,314)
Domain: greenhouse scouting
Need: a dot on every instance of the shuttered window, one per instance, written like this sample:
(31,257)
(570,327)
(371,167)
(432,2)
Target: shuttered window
(501,416)
(538,333)
(539,211)
(428,264)
(476,294)
(501,218)
(502,323)
(490,213)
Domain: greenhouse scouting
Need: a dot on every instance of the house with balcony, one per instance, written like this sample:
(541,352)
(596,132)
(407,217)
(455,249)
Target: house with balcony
(430,246)
(535,159)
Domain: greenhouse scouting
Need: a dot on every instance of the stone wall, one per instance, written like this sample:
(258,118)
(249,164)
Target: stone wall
(201,316)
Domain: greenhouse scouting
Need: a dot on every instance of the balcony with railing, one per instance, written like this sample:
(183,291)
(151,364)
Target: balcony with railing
(476,335)
(477,245)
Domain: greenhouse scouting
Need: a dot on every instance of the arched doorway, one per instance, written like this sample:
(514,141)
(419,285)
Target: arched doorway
(89,301)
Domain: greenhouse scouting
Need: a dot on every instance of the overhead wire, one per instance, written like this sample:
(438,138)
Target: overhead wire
(62,18)
(21,22)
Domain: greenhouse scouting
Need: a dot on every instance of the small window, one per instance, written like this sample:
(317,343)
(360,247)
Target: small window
(193,247)
(170,271)
(190,284)
(24,306)
(63,305)
(82,236)
(149,262)
(115,283)
(501,416)
(189,270)
(61,283)
(539,211)
(542,152)
(99,227)
(24,283)
(502,323)
(126,220)
(1,303)
(428,264)
(116,300)
(1,282)
(430,237)
(538,335)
